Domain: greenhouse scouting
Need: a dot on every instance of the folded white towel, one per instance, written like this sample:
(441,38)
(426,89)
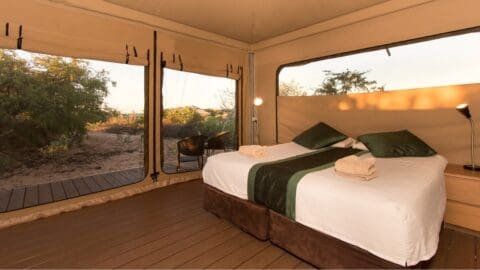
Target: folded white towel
(353,165)
(358,176)
(255,151)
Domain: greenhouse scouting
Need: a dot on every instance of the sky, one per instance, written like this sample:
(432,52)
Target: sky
(180,88)
(185,89)
(446,61)
(127,95)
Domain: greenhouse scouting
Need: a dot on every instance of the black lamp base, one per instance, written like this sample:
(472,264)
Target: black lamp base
(471,168)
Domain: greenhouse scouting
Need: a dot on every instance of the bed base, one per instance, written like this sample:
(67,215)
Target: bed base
(249,217)
(319,249)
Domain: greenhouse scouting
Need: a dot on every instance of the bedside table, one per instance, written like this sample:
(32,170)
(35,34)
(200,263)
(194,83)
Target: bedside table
(463,197)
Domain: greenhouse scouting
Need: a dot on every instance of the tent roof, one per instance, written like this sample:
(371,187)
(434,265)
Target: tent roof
(248,21)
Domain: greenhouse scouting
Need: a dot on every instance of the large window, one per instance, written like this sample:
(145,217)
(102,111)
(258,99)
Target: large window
(444,61)
(198,119)
(68,127)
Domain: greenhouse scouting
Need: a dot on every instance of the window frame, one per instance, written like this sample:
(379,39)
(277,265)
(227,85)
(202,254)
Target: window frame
(238,109)
(146,112)
(362,50)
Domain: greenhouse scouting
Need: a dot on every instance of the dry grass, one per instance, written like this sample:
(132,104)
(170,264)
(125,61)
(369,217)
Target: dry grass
(121,124)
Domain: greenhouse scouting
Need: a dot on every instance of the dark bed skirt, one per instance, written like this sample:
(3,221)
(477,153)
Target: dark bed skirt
(319,249)
(250,217)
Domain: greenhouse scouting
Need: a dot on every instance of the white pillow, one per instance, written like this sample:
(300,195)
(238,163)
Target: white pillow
(348,142)
(359,145)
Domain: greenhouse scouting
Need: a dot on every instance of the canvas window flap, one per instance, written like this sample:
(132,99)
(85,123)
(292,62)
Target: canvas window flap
(203,70)
(35,40)
(8,35)
(30,38)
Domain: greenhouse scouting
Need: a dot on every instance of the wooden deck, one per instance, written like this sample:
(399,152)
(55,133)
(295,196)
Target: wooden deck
(56,191)
(166,228)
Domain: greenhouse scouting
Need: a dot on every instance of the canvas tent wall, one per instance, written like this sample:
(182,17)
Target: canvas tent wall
(435,121)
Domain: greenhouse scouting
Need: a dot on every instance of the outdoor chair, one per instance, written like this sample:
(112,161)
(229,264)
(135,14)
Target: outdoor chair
(193,146)
(216,141)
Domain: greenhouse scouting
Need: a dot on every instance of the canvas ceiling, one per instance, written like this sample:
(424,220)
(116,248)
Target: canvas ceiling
(248,21)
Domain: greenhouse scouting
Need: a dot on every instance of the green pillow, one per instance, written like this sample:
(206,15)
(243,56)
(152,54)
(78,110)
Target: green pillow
(318,136)
(396,144)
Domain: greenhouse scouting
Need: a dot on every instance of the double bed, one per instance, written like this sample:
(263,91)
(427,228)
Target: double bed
(393,220)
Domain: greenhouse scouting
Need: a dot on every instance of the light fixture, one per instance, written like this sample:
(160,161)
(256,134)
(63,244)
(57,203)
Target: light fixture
(258,101)
(463,109)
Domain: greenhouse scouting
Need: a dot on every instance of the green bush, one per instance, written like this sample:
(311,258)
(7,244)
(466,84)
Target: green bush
(182,115)
(183,122)
(46,103)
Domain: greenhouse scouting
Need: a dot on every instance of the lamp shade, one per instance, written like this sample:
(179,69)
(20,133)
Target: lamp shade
(463,109)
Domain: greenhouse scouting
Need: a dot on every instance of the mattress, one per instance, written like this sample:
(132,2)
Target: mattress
(396,216)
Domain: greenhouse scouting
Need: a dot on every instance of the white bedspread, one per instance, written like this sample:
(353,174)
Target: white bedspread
(396,216)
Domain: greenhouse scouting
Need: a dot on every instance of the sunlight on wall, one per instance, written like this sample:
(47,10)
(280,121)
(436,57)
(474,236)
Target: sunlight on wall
(412,99)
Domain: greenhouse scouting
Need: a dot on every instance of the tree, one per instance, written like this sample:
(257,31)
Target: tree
(338,83)
(46,100)
(226,99)
(291,88)
(182,115)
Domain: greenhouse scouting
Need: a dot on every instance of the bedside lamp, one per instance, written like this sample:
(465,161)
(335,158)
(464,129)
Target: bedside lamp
(463,109)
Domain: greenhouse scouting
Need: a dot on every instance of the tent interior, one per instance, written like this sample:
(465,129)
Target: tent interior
(250,45)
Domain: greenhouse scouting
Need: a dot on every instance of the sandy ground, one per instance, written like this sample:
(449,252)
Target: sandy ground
(99,153)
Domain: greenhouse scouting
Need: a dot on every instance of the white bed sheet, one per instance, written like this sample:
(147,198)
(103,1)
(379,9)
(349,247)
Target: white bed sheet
(396,216)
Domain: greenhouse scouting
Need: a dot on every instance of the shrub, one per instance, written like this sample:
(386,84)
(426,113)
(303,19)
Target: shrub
(118,123)
(46,103)
(186,121)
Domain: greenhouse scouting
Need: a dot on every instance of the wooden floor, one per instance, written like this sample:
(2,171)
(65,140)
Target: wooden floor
(56,191)
(165,228)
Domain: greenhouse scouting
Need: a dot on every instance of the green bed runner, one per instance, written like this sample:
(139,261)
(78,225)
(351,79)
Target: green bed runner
(274,184)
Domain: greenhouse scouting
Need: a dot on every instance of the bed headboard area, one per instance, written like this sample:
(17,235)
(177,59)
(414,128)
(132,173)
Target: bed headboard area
(427,112)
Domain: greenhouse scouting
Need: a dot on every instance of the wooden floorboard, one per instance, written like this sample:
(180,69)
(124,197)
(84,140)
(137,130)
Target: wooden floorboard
(263,258)
(16,199)
(4,199)
(241,255)
(285,261)
(45,193)
(120,177)
(82,187)
(102,183)
(211,256)
(60,190)
(31,196)
(461,249)
(70,189)
(112,181)
(163,228)
(97,241)
(57,191)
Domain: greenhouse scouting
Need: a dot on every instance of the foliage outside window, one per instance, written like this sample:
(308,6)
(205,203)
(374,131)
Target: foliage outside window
(195,105)
(443,61)
(58,120)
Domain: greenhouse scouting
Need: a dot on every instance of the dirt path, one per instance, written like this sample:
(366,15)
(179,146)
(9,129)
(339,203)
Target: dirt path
(99,153)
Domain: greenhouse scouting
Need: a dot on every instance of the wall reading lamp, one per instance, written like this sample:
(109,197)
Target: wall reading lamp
(463,109)
(257,102)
